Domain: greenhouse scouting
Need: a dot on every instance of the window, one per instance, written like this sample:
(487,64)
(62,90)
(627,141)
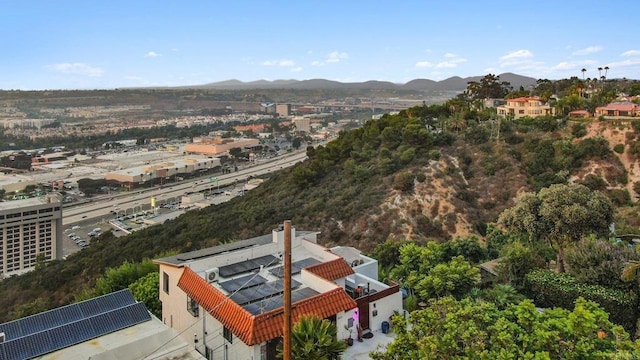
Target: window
(263,351)
(165,282)
(227,334)
(192,307)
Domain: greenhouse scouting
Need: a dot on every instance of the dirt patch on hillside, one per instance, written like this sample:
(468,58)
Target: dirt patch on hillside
(617,133)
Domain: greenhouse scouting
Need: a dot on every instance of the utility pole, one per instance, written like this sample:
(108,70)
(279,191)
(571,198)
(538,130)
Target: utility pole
(286,338)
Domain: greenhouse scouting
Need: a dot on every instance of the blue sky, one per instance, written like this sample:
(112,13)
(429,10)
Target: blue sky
(74,44)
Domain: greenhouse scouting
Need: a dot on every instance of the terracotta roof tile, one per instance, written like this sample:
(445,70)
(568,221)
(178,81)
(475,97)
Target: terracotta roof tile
(525,99)
(256,329)
(332,270)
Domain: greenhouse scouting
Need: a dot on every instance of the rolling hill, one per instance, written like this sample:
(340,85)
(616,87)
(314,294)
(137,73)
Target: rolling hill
(455,83)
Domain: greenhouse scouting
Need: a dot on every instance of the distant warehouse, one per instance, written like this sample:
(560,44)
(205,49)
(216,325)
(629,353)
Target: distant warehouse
(216,146)
(151,173)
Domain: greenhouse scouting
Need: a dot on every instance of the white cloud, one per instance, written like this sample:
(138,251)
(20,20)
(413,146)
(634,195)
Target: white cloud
(521,59)
(451,63)
(283,63)
(336,56)
(424,64)
(570,65)
(297,69)
(631,53)
(517,55)
(332,58)
(77,69)
(624,63)
(588,50)
(152,54)
(450,55)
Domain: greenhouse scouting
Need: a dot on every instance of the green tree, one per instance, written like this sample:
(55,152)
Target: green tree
(469,329)
(455,278)
(146,290)
(296,143)
(596,261)
(560,215)
(416,259)
(313,338)
(516,261)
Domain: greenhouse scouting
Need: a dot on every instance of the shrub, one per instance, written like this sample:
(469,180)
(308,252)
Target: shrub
(619,197)
(403,181)
(550,289)
(594,182)
(619,148)
(578,130)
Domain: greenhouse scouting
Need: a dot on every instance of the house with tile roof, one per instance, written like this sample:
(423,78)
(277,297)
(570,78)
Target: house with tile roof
(619,109)
(531,106)
(227,300)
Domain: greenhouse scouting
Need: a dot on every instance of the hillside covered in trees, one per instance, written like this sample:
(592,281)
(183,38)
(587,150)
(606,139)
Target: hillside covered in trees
(429,175)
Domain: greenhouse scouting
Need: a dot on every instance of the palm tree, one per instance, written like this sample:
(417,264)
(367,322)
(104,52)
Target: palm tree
(313,338)
(606,68)
(583,71)
(600,71)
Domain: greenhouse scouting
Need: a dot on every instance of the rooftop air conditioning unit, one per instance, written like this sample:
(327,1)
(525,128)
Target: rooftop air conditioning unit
(2,337)
(212,275)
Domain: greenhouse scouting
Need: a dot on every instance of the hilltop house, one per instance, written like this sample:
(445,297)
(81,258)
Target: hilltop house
(228,299)
(525,106)
(619,109)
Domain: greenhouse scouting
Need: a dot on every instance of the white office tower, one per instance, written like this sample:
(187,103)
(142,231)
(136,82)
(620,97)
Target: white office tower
(29,228)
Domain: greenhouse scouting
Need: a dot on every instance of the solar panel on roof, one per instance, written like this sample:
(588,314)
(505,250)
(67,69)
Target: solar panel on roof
(247,265)
(260,307)
(296,267)
(259,292)
(245,282)
(49,331)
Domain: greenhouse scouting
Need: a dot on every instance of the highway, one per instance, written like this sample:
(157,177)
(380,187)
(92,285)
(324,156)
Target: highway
(137,200)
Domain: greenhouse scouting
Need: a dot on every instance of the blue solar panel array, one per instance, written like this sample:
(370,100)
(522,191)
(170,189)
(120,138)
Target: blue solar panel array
(243,282)
(262,306)
(260,292)
(247,265)
(296,267)
(56,329)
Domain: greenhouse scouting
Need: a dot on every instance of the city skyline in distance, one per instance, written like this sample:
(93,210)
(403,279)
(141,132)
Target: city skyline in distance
(73,44)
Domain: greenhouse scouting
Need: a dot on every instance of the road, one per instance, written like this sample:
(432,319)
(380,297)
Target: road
(141,199)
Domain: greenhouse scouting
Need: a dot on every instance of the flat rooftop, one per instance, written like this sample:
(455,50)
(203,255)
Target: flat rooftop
(15,204)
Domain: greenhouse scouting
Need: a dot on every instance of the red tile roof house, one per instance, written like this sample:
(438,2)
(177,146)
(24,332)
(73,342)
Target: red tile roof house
(227,300)
(579,114)
(525,106)
(619,109)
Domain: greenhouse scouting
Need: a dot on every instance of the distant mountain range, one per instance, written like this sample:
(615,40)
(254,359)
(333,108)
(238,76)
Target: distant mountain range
(455,83)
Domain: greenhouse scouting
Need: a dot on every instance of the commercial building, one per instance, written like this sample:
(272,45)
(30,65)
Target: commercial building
(228,299)
(525,106)
(283,110)
(147,173)
(219,146)
(29,228)
(302,124)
